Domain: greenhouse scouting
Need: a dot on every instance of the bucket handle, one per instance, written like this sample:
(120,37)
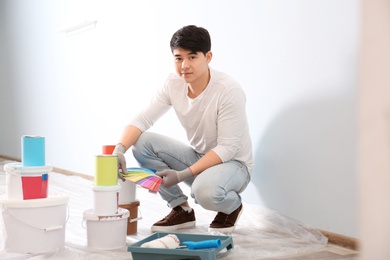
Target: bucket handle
(136,219)
(43,229)
(53,228)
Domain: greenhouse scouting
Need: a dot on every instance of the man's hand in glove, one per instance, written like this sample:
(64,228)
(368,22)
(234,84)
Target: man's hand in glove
(119,151)
(172,177)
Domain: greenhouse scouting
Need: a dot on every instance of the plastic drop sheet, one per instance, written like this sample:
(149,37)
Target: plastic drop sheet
(260,234)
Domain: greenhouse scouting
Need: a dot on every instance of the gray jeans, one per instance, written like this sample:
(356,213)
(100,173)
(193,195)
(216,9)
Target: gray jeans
(216,188)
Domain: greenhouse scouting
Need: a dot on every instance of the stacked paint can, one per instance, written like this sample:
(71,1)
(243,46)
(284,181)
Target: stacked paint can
(34,221)
(127,197)
(29,179)
(127,200)
(106,188)
(106,222)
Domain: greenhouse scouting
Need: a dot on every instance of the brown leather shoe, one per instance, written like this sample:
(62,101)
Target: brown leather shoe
(225,223)
(177,219)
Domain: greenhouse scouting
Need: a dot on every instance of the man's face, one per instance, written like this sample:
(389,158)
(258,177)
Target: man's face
(191,66)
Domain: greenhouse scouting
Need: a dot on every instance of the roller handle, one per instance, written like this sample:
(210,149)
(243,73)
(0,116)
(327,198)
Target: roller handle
(214,243)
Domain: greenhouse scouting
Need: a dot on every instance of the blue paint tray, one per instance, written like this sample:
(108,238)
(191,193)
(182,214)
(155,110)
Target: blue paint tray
(140,253)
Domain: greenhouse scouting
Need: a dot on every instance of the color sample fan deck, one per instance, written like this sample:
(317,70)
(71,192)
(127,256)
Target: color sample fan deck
(144,177)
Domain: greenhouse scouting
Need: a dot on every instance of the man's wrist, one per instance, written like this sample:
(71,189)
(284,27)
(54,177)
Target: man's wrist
(119,148)
(185,174)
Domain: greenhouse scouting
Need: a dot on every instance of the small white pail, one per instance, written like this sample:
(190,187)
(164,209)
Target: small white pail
(105,200)
(106,232)
(34,226)
(26,182)
(127,194)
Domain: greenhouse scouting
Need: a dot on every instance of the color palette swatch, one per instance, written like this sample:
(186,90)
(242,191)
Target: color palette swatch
(144,177)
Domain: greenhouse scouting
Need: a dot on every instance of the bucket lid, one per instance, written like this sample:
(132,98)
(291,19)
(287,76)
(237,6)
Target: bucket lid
(52,200)
(122,214)
(106,188)
(26,170)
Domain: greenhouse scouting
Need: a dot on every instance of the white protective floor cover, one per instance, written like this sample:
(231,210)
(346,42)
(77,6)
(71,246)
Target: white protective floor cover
(261,233)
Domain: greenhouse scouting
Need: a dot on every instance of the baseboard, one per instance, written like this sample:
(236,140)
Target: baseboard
(341,240)
(333,238)
(55,169)
(10,158)
(66,172)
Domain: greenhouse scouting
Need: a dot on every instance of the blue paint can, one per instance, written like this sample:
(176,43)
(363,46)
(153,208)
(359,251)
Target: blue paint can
(33,150)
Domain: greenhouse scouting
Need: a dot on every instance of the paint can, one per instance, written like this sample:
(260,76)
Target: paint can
(106,232)
(133,218)
(106,170)
(127,193)
(35,186)
(33,150)
(105,199)
(108,149)
(25,183)
(34,226)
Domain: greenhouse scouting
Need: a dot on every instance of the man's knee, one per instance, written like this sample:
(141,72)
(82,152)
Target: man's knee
(207,195)
(140,144)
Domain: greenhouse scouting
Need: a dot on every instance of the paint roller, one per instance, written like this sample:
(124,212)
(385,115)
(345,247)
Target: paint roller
(171,241)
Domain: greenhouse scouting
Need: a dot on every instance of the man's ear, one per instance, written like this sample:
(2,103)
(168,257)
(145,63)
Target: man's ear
(209,56)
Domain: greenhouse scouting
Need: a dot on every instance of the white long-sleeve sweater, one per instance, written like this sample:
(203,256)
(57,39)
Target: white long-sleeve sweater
(215,120)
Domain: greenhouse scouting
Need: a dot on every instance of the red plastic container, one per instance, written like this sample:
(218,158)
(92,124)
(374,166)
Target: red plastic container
(108,149)
(35,186)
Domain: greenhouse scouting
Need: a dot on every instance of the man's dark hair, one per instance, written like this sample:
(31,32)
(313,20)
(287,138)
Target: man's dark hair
(191,38)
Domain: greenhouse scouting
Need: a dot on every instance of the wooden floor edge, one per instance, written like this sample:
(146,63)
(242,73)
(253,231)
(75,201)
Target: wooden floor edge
(10,158)
(341,240)
(66,172)
(333,238)
(55,169)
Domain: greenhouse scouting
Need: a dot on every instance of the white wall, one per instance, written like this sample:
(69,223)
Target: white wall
(296,60)
(374,130)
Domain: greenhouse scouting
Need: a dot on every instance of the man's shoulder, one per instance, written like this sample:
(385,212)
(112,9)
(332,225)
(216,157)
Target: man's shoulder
(173,84)
(223,79)
(173,78)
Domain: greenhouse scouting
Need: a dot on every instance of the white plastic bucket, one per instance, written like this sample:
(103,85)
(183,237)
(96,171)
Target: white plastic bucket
(26,182)
(106,232)
(105,200)
(36,225)
(14,188)
(127,193)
